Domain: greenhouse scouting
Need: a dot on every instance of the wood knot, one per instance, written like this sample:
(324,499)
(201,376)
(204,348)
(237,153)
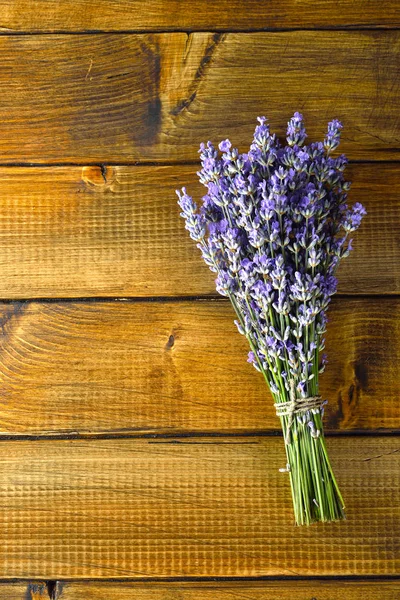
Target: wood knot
(37,591)
(171,342)
(361,374)
(98,176)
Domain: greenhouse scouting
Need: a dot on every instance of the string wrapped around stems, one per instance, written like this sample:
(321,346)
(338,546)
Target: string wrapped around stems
(297,406)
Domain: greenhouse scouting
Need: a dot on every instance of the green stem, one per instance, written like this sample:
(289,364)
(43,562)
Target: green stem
(315,492)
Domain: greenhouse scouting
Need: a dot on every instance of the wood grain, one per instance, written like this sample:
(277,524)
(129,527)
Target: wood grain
(119,98)
(73,231)
(117,15)
(24,591)
(273,590)
(199,507)
(178,367)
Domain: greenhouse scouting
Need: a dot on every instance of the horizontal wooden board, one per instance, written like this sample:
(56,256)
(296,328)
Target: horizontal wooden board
(121,15)
(73,231)
(112,97)
(273,590)
(253,590)
(180,366)
(199,507)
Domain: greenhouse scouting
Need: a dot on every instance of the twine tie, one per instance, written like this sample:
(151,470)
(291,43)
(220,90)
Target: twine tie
(296,406)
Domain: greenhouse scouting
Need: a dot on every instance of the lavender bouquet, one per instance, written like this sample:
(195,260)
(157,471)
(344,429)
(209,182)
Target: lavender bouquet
(274,225)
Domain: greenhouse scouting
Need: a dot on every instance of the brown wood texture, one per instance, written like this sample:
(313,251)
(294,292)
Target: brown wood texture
(273,590)
(121,15)
(112,97)
(24,591)
(82,217)
(195,507)
(180,366)
(78,231)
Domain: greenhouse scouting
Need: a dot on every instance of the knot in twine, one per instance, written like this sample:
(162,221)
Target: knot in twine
(296,406)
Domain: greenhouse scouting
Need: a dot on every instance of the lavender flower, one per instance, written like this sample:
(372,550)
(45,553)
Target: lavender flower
(274,226)
(296,133)
(332,139)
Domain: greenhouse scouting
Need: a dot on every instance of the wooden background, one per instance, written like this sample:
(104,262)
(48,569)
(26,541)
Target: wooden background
(139,452)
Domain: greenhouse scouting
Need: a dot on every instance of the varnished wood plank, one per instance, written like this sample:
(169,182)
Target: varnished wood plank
(273,590)
(117,15)
(111,97)
(73,231)
(180,366)
(199,507)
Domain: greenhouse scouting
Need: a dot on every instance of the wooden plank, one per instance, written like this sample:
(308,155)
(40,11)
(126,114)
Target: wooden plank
(112,97)
(120,15)
(178,367)
(273,590)
(200,507)
(73,231)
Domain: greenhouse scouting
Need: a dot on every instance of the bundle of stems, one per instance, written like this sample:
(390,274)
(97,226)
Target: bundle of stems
(315,492)
(273,226)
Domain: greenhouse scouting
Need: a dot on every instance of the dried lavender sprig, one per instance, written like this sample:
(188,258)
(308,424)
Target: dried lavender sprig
(274,226)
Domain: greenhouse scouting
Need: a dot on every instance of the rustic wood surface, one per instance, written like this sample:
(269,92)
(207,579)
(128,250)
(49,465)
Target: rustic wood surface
(112,97)
(206,507)
(95,127)
(84,231)
(117,367)
(273,590)
(122,15)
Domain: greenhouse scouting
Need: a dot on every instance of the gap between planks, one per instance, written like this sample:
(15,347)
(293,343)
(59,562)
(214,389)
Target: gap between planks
(186,437)
(206,298)
(189,31)
(155,163)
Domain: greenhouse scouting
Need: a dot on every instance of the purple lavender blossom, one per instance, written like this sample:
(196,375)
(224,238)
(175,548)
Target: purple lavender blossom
(332,139)
(296,133)
(273,226)
(195,223)
(225,146)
